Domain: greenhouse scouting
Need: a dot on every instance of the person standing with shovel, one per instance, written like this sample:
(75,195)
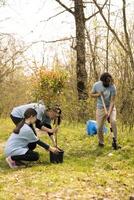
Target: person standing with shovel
(105,92)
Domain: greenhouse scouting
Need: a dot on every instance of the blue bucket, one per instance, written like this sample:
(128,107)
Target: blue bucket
(91,127)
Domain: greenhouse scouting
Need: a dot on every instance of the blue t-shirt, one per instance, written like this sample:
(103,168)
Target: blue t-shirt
(17,144)
(46,119)
(107,91)
(20,110)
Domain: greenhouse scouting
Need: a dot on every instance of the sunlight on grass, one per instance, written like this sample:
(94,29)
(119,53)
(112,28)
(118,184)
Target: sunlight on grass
(87,172)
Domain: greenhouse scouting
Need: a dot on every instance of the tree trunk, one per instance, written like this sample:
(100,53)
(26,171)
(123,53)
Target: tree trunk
(107,39)
(129,52)
(93,54)
(80,50)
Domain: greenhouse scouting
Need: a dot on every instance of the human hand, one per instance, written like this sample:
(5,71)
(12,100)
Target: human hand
(108,118)
(106,115)
(100,94)
(54,150)
(55,130)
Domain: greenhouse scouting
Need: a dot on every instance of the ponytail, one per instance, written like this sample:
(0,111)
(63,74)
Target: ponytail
(28,113)
(19,126)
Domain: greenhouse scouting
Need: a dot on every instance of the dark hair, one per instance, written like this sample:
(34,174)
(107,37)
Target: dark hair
(57,110)
(54,109)
(106,78)
(28,113)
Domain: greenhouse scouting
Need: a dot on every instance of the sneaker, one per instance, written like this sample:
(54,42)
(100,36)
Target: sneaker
(101,144)
(20,164)
(117,147)
(114,145)
(11,162)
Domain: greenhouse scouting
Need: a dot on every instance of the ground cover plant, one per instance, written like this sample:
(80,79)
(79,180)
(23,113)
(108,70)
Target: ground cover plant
(88,172)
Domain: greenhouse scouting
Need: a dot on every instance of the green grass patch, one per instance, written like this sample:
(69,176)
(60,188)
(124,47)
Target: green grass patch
(88,172)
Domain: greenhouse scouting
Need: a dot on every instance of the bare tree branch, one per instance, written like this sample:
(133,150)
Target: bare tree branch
(107,38)
(53,41)
(93,53)
(53,16)
(110,28)
(64,6)
(126,35)
(101,8)
(5,19)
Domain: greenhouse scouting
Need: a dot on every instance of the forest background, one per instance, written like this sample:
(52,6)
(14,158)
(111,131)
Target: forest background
(101,40)
(54,51)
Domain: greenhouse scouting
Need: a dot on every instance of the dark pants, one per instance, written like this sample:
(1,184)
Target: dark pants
(32,145)
(28,156)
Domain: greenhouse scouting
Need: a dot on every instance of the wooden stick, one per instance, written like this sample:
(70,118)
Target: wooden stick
(56,126)
(106,112)
(56,139)
(104,105)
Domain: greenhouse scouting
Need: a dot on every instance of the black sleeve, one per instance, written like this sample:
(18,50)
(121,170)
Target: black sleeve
(38,124)
(48,126)
(42,144)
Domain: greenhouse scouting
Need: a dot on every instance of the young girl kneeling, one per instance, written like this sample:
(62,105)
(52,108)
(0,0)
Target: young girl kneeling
(23,140)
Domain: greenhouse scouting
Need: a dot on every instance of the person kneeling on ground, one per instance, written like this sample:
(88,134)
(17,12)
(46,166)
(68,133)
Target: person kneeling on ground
(18,147)
(43,120)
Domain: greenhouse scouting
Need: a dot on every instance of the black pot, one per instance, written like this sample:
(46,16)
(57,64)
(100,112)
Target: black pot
(57,158)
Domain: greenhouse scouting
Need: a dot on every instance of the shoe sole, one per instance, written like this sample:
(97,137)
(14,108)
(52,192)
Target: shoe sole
(10,165)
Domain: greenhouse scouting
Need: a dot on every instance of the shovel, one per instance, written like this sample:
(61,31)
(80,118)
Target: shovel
(105,109)
(106,112)
(114,145)
(57,158)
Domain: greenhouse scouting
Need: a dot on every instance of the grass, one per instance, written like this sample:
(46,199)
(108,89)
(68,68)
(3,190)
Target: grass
(88,172)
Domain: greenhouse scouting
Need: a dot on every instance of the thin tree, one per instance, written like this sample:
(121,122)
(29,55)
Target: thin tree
(81,73)
(80,21)
(107,38)
(126,47)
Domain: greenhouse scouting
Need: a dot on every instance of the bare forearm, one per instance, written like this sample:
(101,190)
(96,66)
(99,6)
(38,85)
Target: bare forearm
(53,140)
(95,95)
(111,107)
(43,128)
(112,103)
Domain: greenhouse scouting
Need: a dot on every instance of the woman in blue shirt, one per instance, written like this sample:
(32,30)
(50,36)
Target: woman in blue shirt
(18,147)
(43,120)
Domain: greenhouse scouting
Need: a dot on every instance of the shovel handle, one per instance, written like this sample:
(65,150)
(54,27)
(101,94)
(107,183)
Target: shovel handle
(104,105)
(105,109)
(56,139)
(56,126)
